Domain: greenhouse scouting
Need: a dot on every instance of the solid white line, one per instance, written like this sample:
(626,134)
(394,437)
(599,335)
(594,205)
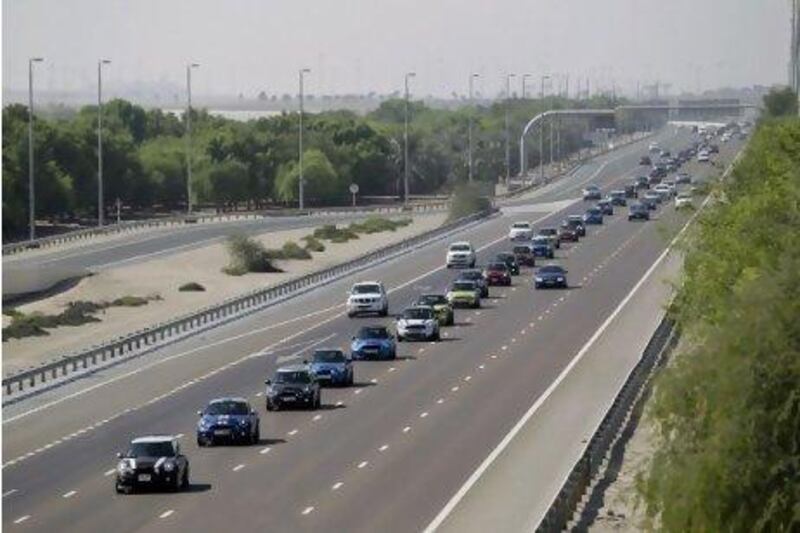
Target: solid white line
(165,514)
(459,495)
(21,519)
(69,494)
(9,492)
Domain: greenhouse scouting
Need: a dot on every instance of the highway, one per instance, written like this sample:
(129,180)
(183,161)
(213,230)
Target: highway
(384,455)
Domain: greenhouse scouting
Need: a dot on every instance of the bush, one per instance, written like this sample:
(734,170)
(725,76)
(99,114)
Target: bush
(313,244)
(192,286)
(330,232)
(247,255)
(378,225)
(292,250)
(467,200)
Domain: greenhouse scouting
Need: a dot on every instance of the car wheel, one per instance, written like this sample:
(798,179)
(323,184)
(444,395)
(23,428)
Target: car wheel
(451,319)
(350,315)
(185,479)
(436,336)
(477,304)
(384,311)
(256,438)
(399,338)
(318,402)
(119,489)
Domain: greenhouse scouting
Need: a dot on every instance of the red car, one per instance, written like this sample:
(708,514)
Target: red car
(497,274)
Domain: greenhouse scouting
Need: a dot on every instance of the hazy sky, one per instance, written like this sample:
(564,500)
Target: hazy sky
(365,45)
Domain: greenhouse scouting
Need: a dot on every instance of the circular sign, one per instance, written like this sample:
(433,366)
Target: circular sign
(354,188)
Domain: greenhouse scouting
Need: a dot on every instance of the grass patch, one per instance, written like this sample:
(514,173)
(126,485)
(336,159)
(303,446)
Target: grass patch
(330,232)
(378,225)
(247,255)
(192,286)
(313,244)
(75,313)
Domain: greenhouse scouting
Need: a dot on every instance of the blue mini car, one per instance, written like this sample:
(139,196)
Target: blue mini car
(332,367)
(593,215)
(373,342)
(228,419)
(542,247)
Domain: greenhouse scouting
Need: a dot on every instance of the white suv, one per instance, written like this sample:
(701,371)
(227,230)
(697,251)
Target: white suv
(520,231)
(461,254)
(367,297)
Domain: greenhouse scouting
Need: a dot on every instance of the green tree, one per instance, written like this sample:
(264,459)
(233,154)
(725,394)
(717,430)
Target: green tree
(322,185)
(781,102)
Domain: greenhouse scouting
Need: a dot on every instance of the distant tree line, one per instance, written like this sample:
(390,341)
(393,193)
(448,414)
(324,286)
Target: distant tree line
(254,163)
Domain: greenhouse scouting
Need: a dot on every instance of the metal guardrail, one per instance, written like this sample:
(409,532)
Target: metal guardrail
(564,505)
(69,366)
(201,218)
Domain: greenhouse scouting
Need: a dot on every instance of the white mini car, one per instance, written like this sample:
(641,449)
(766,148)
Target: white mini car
(683,199)
(418,323)
(520,231)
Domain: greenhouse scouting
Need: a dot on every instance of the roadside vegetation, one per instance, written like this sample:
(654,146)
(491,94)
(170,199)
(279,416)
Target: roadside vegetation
(467,200)
(75,314)
(253,164)
(727,409)
(192,286)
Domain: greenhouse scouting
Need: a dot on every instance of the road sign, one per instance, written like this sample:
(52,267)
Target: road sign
(354,188)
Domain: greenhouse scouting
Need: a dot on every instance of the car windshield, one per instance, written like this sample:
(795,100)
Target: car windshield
(459,248)
(298,376)
(328,356)
(593,211)
(463,286)
(547,231)
(497,267)
(541,240)
(151,449)
(505,256)
(637,207)
(366,289)
(227,408)
(616,193)
(417,313)
(432,299)
(470,274)
(373,333)
(551,269)
(521,225)
(522,250)
(592,188)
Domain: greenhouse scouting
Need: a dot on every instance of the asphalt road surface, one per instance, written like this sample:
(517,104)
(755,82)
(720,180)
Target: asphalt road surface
(384,455)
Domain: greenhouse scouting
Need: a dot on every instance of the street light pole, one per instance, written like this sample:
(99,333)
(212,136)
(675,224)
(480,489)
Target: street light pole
(524,92)
(508,138)
(301,178)
(100,203)
(405,140)
(469,127)
(189,68)
(31,188)
(541,133)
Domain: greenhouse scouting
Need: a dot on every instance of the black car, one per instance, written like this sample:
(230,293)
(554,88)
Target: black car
(293,385)
(630,190)
(154,462)
(606,207)
(638,211)
(645,160)
(617,198)
(642,182)
(510,260)
(475,275)
(550,276)
(576,221)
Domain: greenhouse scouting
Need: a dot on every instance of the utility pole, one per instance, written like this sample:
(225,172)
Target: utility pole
(405,141)
(469,127)
(508,139)
(301,180)
(524,92)
(31,185)
(100,203)
(541,133)
(189,68)
(566,87)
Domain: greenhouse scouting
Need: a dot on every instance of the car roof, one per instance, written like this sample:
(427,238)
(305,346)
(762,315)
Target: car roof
(228,399)
(367,283)
(327,349)
(462,243)
(429,294)
(462,280)
(428,307)
(154,438)
(293,368)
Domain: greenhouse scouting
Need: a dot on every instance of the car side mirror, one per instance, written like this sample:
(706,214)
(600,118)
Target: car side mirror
(267,382)
(305,361)
(199,413)
(119,455)
(252,411)
(353,338)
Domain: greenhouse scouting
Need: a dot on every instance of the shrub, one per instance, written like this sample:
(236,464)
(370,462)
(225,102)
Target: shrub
(468,200)
(330,232)
(247,255)
(313,244)
(378,225)
(192,286)
(292,250)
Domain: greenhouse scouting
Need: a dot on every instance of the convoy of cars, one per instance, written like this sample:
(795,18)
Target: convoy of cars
(157,462)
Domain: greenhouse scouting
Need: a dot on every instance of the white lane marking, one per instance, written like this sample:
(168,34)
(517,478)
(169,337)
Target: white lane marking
(383,448)
(467,378)
(423,414)
(459,495)
(454,388)
(357,391)
(391,369)
(504,347)
(69,494)
(478,313)
(493,356)
(421,350)
(21,519)
(373,380)
(316,417)
(513,340)
(362,464)
(179,436)
(339,403)
(440,401)
(481,366)
(292,433)
(167,513)
(308,510)
(9,492)
(406,429)
(237,467)
(337,485)
(265,451)
(258,394)
(109,472)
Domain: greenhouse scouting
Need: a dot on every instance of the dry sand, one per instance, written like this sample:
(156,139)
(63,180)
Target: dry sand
(163,276)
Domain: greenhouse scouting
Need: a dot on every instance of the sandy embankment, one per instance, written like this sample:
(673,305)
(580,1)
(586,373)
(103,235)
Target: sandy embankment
(163,276)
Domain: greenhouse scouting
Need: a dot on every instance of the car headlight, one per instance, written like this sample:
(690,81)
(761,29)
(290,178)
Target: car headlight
(244,422)
(560,278)
(169,466)
(126,465)
(539,279)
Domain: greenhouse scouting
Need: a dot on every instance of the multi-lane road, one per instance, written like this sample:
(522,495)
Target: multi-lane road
(384,455)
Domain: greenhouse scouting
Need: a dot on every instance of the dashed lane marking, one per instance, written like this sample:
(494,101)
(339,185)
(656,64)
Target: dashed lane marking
(424,414)
(406,429)
(292,433)
(362,464)
(308,510)
(109,472)
(69,494)
(316,417)
(265,451)
(337,485)
(237,467)
(21,519)
(9,492)
(165,514)
(383,448)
